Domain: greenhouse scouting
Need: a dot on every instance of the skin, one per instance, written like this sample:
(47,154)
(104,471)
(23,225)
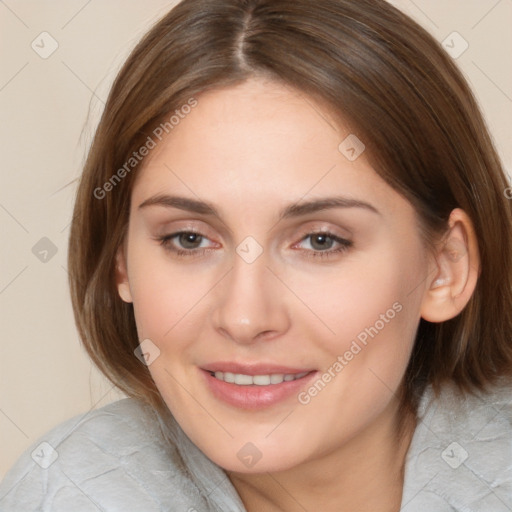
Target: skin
(251,150)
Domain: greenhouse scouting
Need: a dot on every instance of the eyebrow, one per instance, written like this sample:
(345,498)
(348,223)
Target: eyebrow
(290,211)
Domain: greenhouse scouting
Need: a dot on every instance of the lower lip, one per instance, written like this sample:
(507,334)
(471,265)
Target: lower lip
(252,396)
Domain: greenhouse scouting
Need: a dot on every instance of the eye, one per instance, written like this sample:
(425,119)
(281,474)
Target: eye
(184,243)
(321,244)
(192,244)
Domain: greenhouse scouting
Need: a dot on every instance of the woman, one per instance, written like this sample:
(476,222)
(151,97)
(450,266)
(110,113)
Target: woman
(291,249)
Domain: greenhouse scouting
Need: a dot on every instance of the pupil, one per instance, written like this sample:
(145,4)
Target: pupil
(322,239)
(187,239)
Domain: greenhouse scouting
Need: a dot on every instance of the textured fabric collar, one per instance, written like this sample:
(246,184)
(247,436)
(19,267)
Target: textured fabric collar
(460,458)
(210,479)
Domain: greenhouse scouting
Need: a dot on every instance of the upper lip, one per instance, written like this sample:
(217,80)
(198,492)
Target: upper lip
(252,368)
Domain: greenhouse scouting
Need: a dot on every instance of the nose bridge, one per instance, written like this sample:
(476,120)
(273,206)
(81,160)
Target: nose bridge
(248,300)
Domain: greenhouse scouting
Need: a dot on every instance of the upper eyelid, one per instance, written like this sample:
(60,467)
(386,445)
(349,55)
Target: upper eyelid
(314,226)
(221,226)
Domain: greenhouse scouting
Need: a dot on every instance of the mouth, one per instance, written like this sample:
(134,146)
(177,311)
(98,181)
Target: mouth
(269,379)
(255,386)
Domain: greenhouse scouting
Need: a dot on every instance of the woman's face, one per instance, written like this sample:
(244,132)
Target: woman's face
(265,282)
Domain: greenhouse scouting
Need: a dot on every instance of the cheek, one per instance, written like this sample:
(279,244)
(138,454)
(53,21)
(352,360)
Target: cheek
(372,310)
(161,295)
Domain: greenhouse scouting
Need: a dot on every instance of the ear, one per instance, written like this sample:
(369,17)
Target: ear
(458,268)
(123,285)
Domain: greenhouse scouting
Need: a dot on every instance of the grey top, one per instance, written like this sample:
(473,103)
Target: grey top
(125,457)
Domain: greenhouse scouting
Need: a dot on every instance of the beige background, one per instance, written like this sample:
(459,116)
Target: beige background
(45,376)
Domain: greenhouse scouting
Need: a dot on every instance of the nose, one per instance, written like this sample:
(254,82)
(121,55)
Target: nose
(249,305)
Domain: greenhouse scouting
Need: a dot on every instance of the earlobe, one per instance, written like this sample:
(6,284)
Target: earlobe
(123,285)
(458,266)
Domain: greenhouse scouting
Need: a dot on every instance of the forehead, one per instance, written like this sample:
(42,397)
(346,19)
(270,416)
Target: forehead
(259,143)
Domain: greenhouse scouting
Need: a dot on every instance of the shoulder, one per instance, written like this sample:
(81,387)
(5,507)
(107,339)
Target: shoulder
(112,458)
(461,451)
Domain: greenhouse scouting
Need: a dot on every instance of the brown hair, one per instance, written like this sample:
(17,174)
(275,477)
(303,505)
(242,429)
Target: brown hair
(374,68)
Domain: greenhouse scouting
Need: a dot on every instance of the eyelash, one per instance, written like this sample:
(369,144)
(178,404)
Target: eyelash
(165,241)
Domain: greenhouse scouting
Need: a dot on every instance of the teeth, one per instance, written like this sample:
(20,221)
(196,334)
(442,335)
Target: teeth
(261,380)
(243,380)
(258,380)
(228,377)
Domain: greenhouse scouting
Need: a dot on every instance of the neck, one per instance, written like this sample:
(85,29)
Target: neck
(366,473)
